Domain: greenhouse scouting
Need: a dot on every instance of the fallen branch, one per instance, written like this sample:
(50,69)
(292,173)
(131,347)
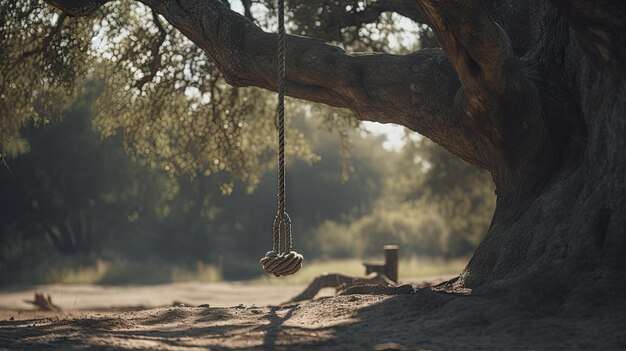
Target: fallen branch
(43,303)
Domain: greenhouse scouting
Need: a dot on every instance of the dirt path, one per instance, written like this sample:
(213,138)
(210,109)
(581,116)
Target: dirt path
(76,298)
(423,320)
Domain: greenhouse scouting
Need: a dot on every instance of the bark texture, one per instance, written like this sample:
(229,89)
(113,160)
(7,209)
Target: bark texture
(533,91)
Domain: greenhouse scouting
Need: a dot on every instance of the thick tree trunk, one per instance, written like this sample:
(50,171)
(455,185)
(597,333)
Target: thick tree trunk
(570,230)
(532,91)
(560,221)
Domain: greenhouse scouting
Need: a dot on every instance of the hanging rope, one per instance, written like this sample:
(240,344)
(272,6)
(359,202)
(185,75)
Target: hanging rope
(286,262)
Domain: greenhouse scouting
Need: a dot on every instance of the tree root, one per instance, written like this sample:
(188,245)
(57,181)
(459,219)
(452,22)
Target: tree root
(342,283)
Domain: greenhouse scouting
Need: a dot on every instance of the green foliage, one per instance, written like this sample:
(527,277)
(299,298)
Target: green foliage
(431,203)
(160,93)
(423,234)
(172,106)
(71,193)
(168,103)
(134,179)
(75,200)
(461,193)
(42,56)
(346,24)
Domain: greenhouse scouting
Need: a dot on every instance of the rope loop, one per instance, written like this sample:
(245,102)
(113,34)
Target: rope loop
(281,220)
(288,261)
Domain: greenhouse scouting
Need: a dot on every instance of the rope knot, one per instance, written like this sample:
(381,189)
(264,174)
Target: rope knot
(288,262)
(282,264)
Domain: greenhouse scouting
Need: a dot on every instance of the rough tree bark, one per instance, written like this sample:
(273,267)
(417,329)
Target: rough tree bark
(532,91)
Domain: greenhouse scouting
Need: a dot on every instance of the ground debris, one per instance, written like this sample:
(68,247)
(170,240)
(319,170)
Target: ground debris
(43,303)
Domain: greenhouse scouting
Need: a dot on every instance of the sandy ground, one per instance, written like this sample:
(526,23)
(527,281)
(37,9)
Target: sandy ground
(76,298)
(424,320)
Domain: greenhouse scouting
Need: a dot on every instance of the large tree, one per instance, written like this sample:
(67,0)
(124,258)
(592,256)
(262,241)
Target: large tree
(532,91)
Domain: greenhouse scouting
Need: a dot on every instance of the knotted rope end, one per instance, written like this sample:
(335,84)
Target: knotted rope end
(283,264)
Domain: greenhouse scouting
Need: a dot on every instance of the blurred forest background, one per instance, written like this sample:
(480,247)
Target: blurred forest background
(116,173)
(77,207)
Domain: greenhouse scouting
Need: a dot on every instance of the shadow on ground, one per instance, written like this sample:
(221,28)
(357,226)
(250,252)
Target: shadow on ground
(425,320)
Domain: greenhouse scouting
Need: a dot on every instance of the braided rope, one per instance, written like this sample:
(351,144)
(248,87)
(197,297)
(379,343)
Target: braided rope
(288,262)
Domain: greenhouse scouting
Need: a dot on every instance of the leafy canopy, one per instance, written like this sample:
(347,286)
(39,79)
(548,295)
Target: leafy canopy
(171,105)
(160,92)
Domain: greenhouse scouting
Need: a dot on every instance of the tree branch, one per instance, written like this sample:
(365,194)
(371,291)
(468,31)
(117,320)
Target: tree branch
(155,63)
(372,12)
(417,90)
(497,98)
(247,4)
(48,39)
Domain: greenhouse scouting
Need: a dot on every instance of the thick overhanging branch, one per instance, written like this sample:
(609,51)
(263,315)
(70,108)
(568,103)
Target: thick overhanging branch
(417,90)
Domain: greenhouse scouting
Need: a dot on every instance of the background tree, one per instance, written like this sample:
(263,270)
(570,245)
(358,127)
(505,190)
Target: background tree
(77,207)
(456,191)
(530,91)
